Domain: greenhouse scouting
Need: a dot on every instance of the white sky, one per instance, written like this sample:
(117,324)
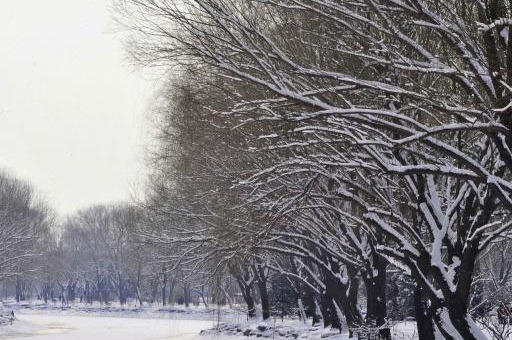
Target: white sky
(72,109)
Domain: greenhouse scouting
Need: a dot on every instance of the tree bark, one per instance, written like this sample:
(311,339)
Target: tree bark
(186,294)
(122,297)
(172,285)
(18,289)
(265,303)
(345,296)
(461,324)
(376,310)
(249,300)
(164,290)
(262,288)
(424,320)
(139,296)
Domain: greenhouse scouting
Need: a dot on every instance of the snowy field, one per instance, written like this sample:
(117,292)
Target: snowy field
(55,327)
(78,321)
(40,323)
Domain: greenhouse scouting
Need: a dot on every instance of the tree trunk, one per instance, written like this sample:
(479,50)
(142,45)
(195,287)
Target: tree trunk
(310,304)
(249,300)
(376,311)
(172,285)
(265,302)
(462,325)
(329,312)
(45,295)
(122,298)
(186,294)
(227,297)
(245,283)
(318,314)
(88,297)
(455,309)
(71,290)
(18,289)
(204,298)
(345,296)
(99,287)
(139,296)
(164,290)
(424,320)
(302,311)
(154,290)
(262,288)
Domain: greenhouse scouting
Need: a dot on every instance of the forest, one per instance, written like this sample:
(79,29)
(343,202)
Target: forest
(347,163)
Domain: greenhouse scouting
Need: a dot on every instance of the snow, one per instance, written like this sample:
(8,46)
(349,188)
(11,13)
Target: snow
(53,324)
(295,329)
(56,326)
(152,311)
(21,326)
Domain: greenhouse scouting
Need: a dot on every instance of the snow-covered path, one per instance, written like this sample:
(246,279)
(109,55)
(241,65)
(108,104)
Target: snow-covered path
(60,327)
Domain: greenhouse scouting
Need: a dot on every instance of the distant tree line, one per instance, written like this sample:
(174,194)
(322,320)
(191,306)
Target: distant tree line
(26,223)
(97,256)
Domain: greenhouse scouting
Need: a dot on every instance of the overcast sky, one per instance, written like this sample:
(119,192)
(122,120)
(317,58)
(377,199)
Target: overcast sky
(72,109)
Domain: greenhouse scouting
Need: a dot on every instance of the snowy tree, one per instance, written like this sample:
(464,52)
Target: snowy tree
(25,223)
(404,106)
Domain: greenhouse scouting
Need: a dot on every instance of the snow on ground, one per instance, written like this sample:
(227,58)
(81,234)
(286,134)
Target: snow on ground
(98,322)
(115,310)
(294,329)
(55,326)
(19,327)
(113,322)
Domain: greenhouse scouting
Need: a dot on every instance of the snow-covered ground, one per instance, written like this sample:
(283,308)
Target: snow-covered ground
(78,322)
(53,326)
(116,310)
(98,322)
(295,329)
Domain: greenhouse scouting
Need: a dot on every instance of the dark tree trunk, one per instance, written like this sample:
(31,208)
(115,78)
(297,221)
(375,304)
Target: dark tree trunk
(121,292)
(71,290)
(424,320)
(246,291)
(171,290)
(458,304)
(164,290)
(204,297)
(186,294)
(460,323)
(354,316)
(19,293)
(45,295)
(375,283)
(345,296)
(154,290)
(262,287)
(309,305)
(265,302)
(245,282)
(99,287)
(249,300)
(450,315)
(329,312)
(88,295)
